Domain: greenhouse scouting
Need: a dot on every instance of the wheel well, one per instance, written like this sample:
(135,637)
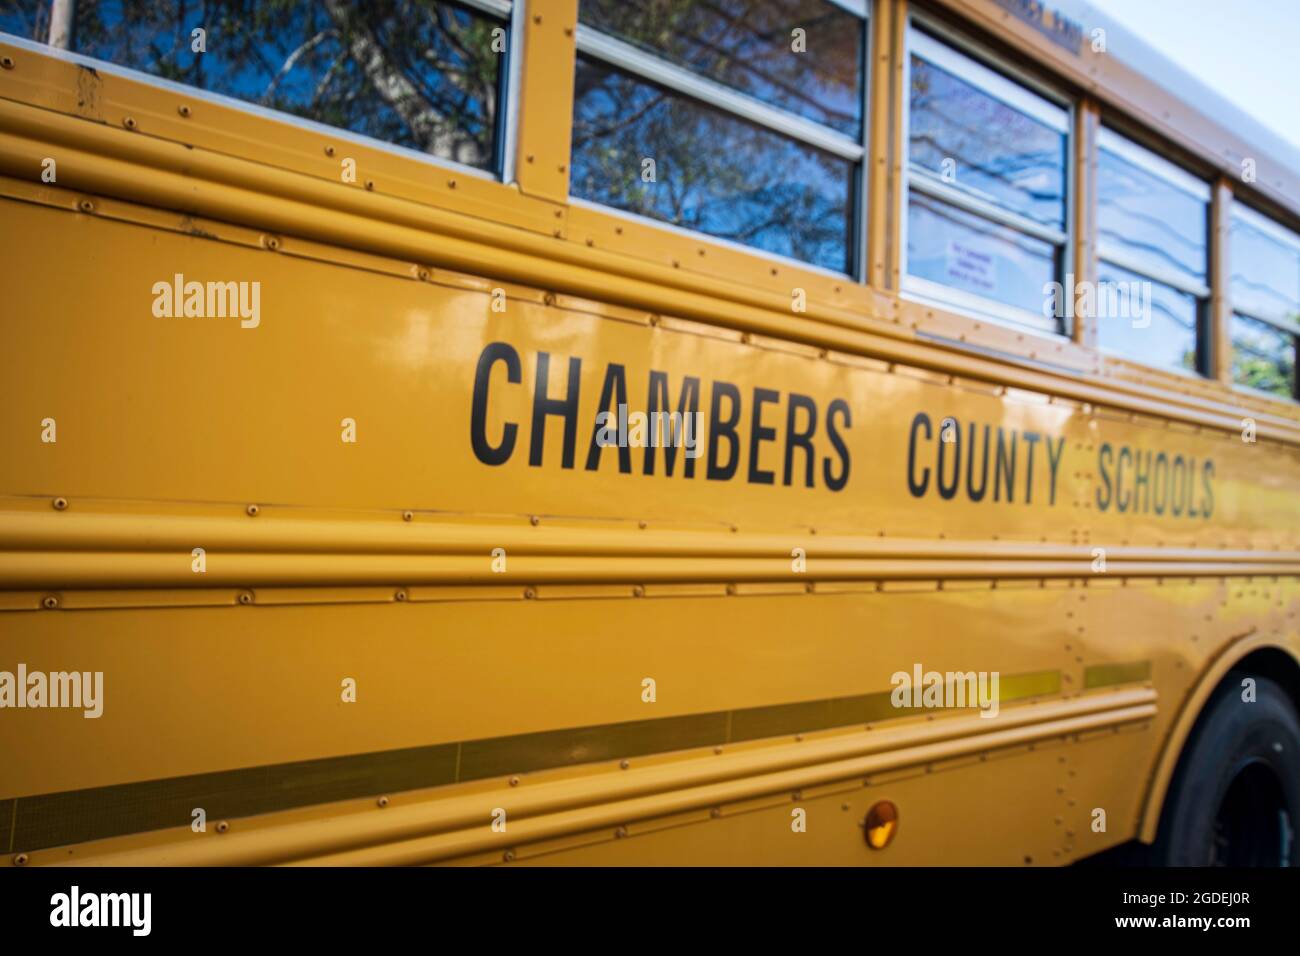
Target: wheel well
(1268,662)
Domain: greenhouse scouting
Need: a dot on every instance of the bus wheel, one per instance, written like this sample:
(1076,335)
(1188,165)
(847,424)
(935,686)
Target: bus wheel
(1235,797)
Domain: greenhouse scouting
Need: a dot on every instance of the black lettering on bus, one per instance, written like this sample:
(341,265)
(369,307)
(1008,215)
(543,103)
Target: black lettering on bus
(1142,482)
(1122,498)
(917,488)
(1207,472)
(950,427)
(484,451)
(1104,457)
(688,405)
(1053,462)
(759,434)
(1178,485)
(795,438)
(1191,489)
(544,406)
(837,482)
(1005,467)
(723,429)
(1160,483)
(970,467)
(1031,439)
(613,391)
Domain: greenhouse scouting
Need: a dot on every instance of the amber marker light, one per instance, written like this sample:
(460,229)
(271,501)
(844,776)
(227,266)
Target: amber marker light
(881,824)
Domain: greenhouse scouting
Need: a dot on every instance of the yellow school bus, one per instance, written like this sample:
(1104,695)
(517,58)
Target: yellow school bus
(850,432)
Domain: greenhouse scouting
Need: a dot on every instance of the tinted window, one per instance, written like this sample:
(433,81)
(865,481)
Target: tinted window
(711,172)
(1147,320)
(750,45)
(972,254)
(426,75)
(1265,272)
(1263,356)
(1150,221)
(998,152)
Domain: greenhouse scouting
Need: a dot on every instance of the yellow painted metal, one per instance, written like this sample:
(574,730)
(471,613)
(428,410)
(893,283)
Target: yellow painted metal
(374,561)
(546,100)
(1221,282)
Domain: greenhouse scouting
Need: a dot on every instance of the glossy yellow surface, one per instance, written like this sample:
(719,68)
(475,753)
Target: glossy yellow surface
(374,560)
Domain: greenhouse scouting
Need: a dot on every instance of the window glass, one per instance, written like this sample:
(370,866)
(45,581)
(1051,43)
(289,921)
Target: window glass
(1151,222)
(1263,356)
(421,74)
(1265,271)
(657,153)
(966,252)
(747,45)
(997,152)
(1147,320)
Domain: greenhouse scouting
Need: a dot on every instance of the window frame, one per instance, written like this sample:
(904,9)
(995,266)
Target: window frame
(992,75)
(1274,230)
(506,121)
(640,64)
(1132,150)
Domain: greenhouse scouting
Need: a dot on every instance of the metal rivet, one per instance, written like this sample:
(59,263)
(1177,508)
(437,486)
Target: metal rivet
(715,812)
(534,520)
(530,157)
(50,603)
(508,855)
(451,184)
(329,150)
(272,243)
(60,503)
(370,184)
(620,833)
(549,298)
(21,858)
(86,205)
(252,510)
(731,589)
(399,596)
(514,781)
(382,801)
(717,750)
(641,525)
(423,275)
(623,764)
(7,62)
(638,591)
(129,122)
(245,597)
(184,111)
(223,826)
(408,515)
(529,594)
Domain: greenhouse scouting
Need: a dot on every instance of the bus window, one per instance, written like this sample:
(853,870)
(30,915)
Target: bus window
(740,119)
(1153,225)
(986,214)
(426,76)
(1265,264)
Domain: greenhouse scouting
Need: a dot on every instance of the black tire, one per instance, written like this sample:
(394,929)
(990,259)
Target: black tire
(1235,796)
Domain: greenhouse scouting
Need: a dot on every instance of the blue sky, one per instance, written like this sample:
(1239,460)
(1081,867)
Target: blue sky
(1247,50)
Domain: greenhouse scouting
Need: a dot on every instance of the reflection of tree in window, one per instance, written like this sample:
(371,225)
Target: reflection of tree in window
(1012,160)
(714,173)
(416,73)
(747,44)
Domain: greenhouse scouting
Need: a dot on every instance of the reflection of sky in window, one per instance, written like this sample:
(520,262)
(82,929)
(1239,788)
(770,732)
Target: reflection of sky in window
(1169,340)
(1002,155)
(432,81)
(714,173)
(747,44)
(1153,222)
(1265,273)
(1263,356)
(963,251)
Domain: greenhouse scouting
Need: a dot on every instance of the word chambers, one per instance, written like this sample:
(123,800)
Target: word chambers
(801,442)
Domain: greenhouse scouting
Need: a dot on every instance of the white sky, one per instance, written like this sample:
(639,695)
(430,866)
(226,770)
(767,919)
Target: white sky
(1246,50)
